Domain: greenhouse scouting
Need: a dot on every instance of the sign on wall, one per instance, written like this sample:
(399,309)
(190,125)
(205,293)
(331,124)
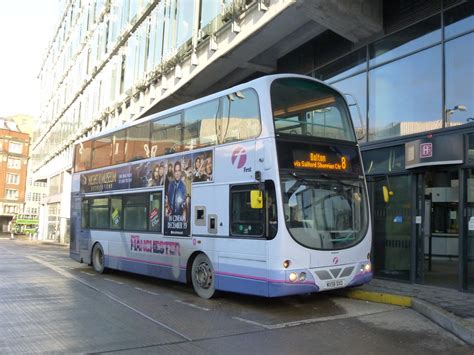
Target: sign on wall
(440,150)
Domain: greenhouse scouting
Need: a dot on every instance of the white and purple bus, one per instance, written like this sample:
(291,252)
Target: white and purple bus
(258,189)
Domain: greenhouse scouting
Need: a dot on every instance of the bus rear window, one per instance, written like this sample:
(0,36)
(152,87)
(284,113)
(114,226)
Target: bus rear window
(308,108)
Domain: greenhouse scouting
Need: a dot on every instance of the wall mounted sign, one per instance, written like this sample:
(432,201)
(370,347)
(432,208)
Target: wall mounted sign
(440,150)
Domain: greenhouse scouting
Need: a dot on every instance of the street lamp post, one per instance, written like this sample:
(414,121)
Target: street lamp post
(450,112)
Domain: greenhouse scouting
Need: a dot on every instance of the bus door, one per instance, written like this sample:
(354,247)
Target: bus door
(79,214)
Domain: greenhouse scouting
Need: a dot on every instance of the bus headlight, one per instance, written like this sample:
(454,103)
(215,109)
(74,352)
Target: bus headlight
(366,267)
(293,277)
(302,276)
(286,264)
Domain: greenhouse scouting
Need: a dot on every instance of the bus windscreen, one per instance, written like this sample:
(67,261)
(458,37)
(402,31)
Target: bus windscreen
(308,108)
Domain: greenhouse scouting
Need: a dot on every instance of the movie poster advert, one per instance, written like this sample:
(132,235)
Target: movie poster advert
(111,179)
(149,174)
(178,195)
(175,175)
(202,166)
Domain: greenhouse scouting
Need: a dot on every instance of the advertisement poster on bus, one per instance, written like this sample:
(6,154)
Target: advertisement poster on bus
(178,195)
(175,175)
(202,166)
(111,179)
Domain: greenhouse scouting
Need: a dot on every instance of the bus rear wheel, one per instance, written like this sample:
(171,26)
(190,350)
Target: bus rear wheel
(202,274)
(98,259)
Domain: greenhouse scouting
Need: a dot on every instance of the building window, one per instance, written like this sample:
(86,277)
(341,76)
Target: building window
(13,179)
(11,209)
(185,22)
(343,67)
(11,194)
(403,95)
(36,196)
(55,184)
(14,163)
(14,147)
(418,36)
(31,210)
(210,9)
(459,54)
(459,20)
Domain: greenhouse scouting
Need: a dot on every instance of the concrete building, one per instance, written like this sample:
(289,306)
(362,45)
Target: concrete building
(14,148)
(408,64)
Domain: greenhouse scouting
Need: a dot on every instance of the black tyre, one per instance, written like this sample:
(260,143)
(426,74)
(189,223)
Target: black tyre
(98,259)
(202,274)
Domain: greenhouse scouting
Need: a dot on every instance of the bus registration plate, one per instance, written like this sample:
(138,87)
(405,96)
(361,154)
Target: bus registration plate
(334,283)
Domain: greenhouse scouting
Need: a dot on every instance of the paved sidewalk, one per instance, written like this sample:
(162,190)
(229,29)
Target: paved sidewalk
(451,309)
(25,238)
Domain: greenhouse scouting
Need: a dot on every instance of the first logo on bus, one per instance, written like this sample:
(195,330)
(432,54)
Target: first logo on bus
(239,155)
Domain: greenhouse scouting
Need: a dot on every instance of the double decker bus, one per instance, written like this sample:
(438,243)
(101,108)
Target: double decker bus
(25,224)
(258,189)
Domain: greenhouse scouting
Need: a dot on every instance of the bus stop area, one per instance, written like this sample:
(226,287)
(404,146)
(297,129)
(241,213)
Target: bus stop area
(451,309)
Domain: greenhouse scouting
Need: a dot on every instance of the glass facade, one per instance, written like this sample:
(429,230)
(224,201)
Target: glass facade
(415,107)
(459,83)
(104,51)
(412,80)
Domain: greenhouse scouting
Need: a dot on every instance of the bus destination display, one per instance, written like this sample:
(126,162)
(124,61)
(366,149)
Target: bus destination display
(316,160)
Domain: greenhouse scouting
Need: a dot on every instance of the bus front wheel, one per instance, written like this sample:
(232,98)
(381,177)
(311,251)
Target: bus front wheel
(202,274)
(98,259)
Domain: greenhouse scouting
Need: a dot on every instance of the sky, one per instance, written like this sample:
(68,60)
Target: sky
(26,29)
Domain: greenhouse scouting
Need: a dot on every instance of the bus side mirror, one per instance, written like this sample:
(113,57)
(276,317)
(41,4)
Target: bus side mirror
(256,199)
(386,194)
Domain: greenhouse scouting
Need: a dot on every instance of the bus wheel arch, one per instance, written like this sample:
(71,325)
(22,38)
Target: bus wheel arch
(200,273)
(98,258)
